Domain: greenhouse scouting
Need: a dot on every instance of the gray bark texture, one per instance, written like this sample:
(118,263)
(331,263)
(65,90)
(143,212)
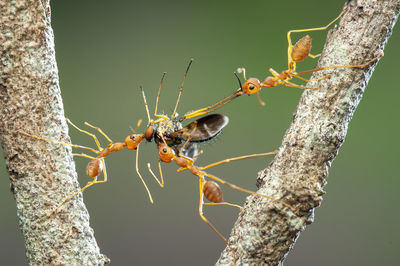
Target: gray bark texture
(266,231)
(41,173)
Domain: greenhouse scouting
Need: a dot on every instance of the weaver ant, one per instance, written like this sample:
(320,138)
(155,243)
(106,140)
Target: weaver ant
(209,188)
(296,53)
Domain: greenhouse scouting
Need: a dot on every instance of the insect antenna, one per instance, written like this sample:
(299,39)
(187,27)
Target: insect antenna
(181,88)
(236,75)
(158,94)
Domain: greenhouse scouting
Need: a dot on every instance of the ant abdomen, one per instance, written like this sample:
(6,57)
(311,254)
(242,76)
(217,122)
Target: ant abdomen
(94,167)
(301,49)
(212,191)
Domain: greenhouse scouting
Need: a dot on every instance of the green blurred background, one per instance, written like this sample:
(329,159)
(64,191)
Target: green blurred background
(106,49)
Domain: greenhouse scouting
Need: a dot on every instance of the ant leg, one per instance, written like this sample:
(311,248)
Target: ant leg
(59,142)
(87,133)
(222,203)
(83,155)
(161,180)
(89,184)
(290,84)
(194,159)
(297,75)
(246,190)
(100,131)
(373,60)
(305,30)
(140,176)
(237,158)
(274,73)
(308,80)
(201,203)
(314,56)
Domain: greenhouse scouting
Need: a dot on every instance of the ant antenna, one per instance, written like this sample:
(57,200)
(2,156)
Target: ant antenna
(137,126)
(181,87)
(259,98)
(145,104)
(236,75)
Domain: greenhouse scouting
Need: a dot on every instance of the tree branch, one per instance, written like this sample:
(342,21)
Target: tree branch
(41,173)
(265,231)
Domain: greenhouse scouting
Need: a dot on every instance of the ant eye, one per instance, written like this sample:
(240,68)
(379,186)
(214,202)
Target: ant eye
(251,87)
(164,150)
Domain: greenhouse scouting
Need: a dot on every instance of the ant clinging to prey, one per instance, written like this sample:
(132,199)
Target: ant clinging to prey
(209,188)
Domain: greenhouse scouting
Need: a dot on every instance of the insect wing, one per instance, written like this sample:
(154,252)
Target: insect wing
(205,128)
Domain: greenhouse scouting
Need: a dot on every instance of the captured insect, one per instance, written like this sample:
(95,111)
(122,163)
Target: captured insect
(209,188)
(170,128)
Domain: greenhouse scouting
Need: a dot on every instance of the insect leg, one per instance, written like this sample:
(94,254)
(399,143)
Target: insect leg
(59,142)
(201,203)
(222,203)
(161,180)
(140,176)
(100,131)
(246,190)
(87,133)
(237,158)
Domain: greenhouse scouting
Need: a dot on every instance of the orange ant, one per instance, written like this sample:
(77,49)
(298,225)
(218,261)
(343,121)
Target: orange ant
(208,188)
(296,53)
(97,164)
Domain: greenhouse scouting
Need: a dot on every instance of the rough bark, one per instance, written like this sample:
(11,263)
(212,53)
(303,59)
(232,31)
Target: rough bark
(41,173)
(265,231)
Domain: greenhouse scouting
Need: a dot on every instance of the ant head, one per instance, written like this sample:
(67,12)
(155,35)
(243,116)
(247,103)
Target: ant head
(165,152)
(94,167)
(212,191)
(133,140)
(251,86)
